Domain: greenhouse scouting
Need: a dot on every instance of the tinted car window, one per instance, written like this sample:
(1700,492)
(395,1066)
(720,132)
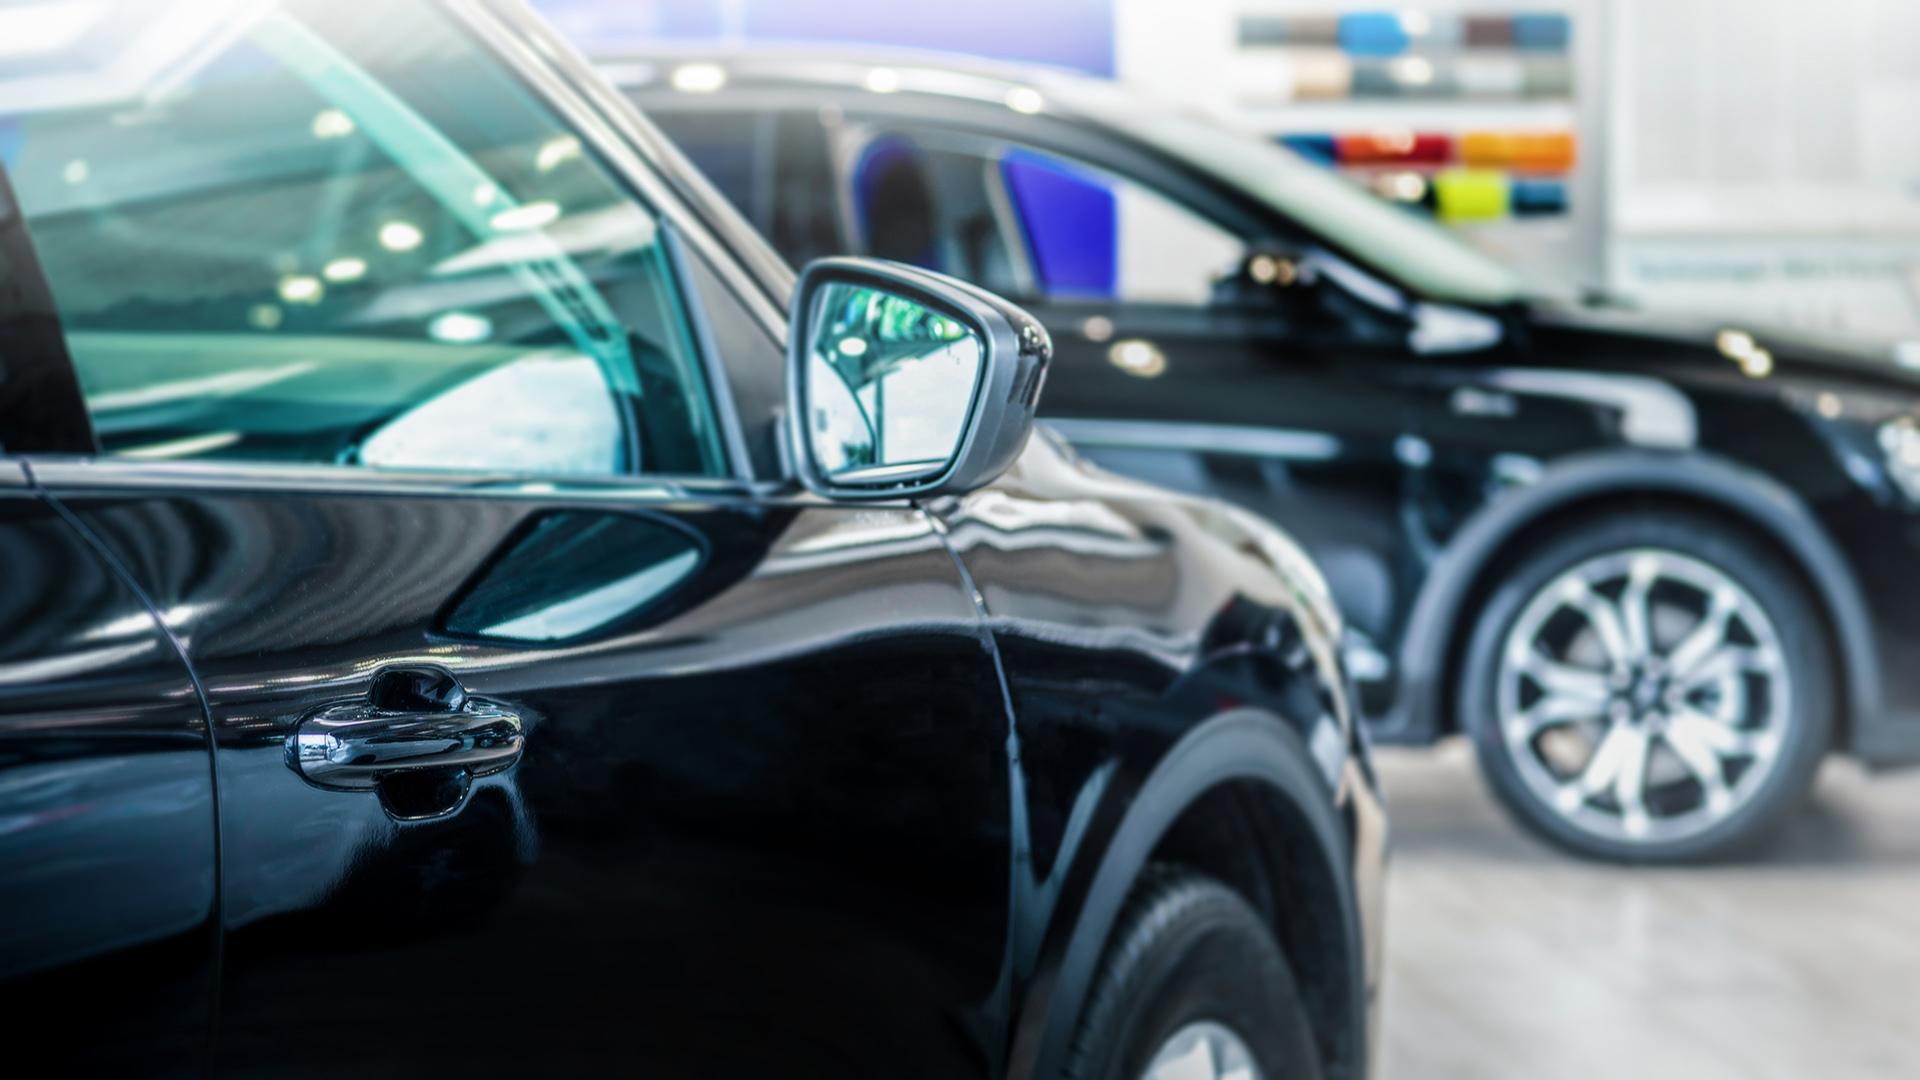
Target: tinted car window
(327,241)
(1092,234)
(773,166)
(1035,225)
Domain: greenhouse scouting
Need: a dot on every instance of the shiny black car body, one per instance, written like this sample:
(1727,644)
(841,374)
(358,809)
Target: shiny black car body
(861,791)
(1421,423)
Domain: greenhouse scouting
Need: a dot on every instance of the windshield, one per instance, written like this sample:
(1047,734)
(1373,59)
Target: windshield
(1420,255)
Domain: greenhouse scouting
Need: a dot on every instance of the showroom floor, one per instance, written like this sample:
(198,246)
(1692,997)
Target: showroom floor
(1508,959)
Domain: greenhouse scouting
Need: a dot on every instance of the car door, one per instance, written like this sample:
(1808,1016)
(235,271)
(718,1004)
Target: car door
(107,832)
(548,735)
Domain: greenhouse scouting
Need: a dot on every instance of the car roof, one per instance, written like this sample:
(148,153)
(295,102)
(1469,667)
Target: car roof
(1032,89)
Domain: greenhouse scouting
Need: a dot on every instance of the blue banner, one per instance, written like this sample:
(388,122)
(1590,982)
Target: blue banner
(1070,33)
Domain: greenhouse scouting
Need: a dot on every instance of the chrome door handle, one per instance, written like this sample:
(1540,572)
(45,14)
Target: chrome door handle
(416,724)
(350,747)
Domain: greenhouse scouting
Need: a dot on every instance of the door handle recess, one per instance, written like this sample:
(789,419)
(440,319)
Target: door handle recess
(418,740)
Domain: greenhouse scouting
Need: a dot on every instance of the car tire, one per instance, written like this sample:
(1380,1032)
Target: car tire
(1733,733)
(1192,977)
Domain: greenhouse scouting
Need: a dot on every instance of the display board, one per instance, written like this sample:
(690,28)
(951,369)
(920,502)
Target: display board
(1483,113)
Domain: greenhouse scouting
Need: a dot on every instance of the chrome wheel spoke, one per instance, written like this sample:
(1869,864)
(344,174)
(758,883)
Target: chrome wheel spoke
(1697,752)
(1601,614)
(1603,767)
(1554,710)
(1706,639)
(1718,737)
(1636,610)
(1566,681)
(1724,663)
(1630,786)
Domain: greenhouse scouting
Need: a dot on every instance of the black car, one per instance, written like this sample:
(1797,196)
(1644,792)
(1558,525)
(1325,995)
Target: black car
(1656,572)
(426,649)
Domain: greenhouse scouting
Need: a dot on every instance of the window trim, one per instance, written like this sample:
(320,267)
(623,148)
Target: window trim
(75,472)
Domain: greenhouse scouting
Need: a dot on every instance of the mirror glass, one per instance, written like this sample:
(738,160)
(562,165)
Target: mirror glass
(890,383)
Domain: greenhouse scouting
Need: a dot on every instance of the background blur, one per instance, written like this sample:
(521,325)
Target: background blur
(1744,158)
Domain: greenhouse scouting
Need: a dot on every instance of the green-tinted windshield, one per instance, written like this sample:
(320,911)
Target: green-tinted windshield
(1421,255)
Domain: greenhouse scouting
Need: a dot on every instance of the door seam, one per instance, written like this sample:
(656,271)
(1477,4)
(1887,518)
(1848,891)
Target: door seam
(119,569)
(1019,844)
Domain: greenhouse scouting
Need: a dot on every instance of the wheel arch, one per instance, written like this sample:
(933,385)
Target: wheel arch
(1240,775)
(1441,621)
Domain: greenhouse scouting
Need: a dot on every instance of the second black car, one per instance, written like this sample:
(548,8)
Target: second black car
(1656,571)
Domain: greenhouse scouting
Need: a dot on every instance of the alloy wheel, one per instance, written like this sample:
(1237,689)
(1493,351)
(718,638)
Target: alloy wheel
(1643,696)
(1203,1051)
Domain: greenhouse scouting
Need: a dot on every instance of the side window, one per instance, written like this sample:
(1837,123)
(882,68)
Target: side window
(311,237)
(935,207)
(772,165)
(728,147)
(1034,225)
(1090,234)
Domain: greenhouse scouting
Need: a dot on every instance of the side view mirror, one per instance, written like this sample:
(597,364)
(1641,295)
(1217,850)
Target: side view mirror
(1310,287)
(903,383)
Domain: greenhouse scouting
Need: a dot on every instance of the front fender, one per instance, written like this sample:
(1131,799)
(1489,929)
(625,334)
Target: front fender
(1241,745)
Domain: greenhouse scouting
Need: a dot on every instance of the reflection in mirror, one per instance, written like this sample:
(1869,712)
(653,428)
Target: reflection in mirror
(890,383)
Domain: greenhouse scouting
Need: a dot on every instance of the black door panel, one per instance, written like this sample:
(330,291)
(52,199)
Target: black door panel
(1308,433)
(107,846)
(688,870)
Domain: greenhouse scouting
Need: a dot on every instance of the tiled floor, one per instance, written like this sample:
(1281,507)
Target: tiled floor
(1507,959)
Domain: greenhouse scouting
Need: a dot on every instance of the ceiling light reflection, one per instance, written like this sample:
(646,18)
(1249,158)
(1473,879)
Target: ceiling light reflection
(533,215)
(460,328)
(556,152)
(401,236)
(343,270)
(332,124)
(301,289)
(699,78)
(1025,99)
(1142,359)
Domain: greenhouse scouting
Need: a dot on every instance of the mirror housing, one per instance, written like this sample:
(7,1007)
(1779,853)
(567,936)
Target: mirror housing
(1014,353)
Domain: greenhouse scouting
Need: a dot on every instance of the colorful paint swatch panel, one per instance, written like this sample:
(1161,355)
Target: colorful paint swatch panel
(1282,31)
(1321,74)
(1539,198)
(1525,151)
(1394,148)
(1321,148)
(1381,60)
(1471,195)
(1373,33)
(1542,32)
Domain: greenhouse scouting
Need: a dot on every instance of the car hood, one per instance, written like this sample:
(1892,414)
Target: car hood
(1885,362)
